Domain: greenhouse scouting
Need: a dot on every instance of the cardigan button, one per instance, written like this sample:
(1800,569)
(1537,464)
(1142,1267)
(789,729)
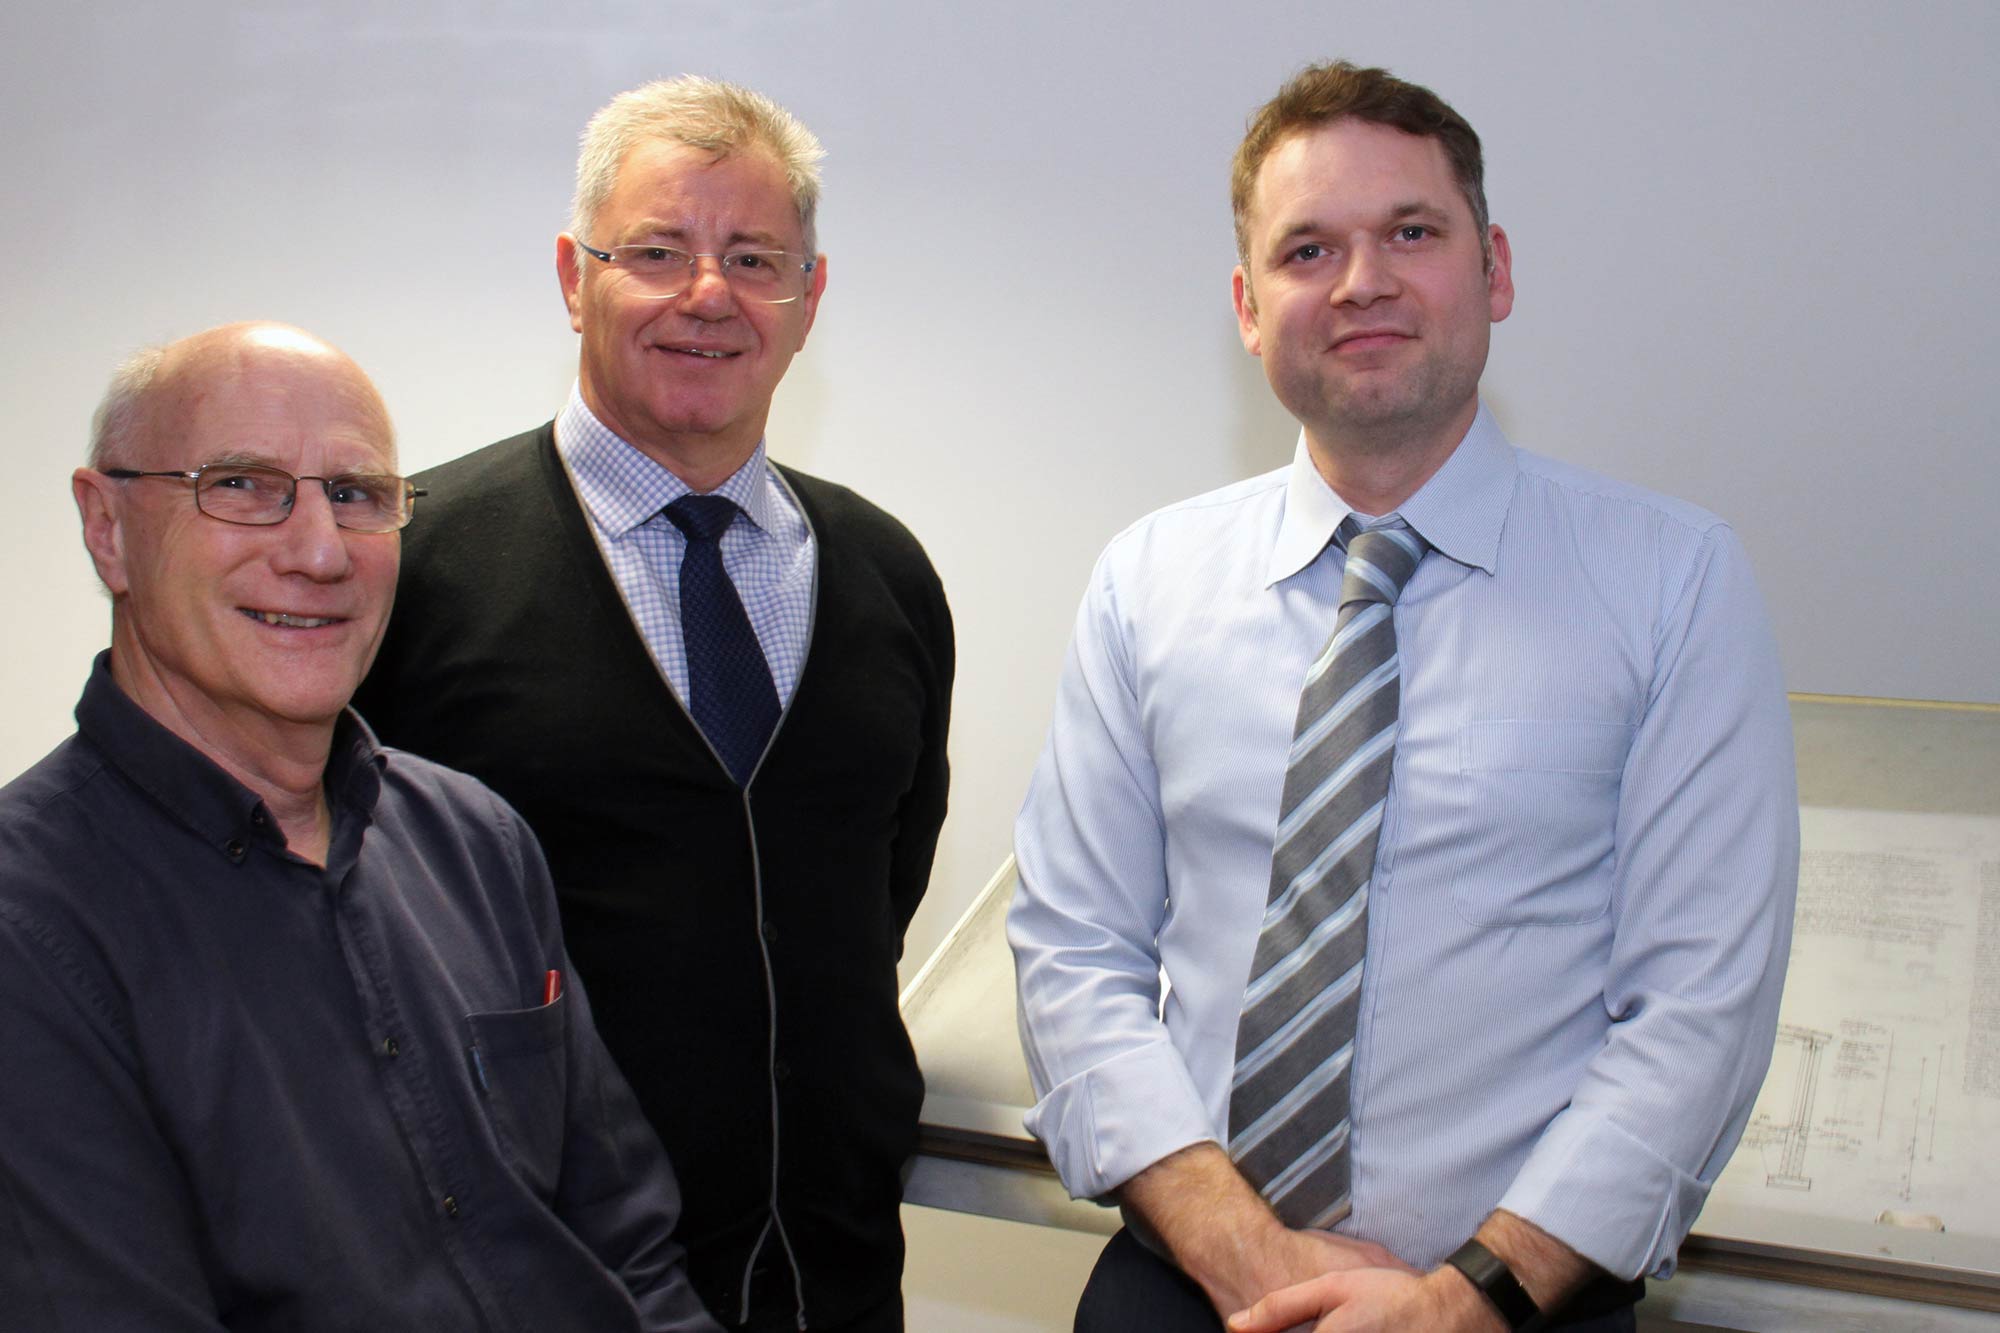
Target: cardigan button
(770,931)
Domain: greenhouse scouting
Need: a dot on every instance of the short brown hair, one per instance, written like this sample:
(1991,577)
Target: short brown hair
(1321,94)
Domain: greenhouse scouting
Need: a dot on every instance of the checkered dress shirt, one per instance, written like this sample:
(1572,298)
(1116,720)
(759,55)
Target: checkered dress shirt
(769,557)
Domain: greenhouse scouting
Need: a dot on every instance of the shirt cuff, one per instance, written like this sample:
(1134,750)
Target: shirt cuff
(1109,1123)
(1607,1196)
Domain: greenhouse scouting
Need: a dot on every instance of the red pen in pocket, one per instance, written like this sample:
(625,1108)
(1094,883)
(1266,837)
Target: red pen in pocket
(552,987)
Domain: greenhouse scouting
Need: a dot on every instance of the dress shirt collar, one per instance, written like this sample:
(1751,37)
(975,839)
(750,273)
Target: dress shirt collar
(622,488)
(1459,511)
(199,793)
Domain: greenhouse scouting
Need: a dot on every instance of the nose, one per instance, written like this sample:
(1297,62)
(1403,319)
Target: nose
(309,541)
(1365,277)
(709,295)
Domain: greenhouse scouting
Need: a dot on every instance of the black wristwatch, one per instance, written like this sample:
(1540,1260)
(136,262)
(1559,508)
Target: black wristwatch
(1488,1272)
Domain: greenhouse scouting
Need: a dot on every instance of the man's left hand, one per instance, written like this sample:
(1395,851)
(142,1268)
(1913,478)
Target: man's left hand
(1368,1300)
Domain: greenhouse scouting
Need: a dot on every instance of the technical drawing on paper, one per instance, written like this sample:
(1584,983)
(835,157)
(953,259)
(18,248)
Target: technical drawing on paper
(1783,1140)
(1883,1094)
(1876,1120)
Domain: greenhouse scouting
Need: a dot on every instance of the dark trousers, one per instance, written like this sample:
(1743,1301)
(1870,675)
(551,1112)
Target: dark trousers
(777,1315)
(1132,1290)
(884,1318)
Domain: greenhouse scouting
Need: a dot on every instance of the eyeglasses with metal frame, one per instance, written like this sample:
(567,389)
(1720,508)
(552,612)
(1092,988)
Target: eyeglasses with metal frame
(258,497)
(662,272)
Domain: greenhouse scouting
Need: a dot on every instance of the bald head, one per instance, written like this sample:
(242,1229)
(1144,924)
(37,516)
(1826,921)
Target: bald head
(156,394)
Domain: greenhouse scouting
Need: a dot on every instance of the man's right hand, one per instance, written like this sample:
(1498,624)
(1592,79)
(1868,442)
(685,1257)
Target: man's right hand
(1221,1233)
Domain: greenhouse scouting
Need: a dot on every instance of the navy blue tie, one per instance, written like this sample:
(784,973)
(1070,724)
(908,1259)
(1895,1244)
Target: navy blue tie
(734,702)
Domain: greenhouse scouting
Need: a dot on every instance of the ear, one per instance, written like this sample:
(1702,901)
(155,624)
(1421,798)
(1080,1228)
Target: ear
(569,272)
(103,530)
(1246,312)
(811,299)
(1500,278)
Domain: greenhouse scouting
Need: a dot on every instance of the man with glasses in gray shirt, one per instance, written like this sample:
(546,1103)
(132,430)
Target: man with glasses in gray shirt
(291,1038)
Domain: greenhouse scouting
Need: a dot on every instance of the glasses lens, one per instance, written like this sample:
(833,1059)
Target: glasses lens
(369,502)
(754,275)
(240,493)
(655,268)
(762,275)
(261,496)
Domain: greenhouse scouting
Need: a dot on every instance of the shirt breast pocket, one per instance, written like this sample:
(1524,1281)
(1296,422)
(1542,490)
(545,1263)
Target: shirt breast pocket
(518,1056)
(1542,797)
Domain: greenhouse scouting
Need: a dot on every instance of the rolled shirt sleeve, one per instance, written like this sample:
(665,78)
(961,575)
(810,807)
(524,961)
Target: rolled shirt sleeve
(1115,1093)
(1707,845)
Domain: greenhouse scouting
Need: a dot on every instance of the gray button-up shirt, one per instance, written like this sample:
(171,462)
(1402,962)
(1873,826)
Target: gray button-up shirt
(241,1091)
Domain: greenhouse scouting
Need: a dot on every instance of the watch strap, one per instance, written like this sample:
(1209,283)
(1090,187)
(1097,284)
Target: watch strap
(1488,1272)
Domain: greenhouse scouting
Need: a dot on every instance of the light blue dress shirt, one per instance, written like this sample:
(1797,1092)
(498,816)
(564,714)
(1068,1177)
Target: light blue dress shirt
(1582,901)
(769,557)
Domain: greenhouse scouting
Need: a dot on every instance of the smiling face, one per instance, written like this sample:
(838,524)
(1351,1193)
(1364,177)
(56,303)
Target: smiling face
(226,633)
(687,379)
(1367,294)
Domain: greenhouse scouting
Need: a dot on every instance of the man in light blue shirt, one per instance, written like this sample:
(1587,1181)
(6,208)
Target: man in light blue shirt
(1580,905)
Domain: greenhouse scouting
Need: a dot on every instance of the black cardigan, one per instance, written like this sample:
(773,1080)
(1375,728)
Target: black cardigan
(512,656)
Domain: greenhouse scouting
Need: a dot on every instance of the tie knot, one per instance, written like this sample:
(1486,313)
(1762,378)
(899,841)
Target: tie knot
(1379,562)
(702,518)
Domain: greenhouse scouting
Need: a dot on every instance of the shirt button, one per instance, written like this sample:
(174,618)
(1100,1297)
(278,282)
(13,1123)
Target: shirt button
(257,818)
(782,1070)
(235,848)
(451,1206)
(390,1048)
(771,931)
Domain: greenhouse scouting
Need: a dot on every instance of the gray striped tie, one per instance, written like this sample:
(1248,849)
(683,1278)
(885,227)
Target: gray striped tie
(1288,1102)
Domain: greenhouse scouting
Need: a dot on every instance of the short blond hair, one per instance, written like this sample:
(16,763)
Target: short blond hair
(707,114)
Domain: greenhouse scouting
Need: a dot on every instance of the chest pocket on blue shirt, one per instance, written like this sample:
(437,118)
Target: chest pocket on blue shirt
(518,1055)
(1545,796)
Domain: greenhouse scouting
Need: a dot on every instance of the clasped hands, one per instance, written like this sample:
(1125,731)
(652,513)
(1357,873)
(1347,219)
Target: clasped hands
(1356,1286)
(1266,1277)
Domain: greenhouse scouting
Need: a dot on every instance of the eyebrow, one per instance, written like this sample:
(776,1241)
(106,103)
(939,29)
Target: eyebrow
(1402,212)
(243,458)
(251,458)
(672,232)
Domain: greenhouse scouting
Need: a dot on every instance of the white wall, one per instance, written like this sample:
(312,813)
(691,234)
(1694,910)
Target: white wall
(1756,251)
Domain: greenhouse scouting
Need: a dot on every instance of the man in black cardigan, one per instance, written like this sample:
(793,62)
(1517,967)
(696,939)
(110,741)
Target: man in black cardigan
(738,781)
